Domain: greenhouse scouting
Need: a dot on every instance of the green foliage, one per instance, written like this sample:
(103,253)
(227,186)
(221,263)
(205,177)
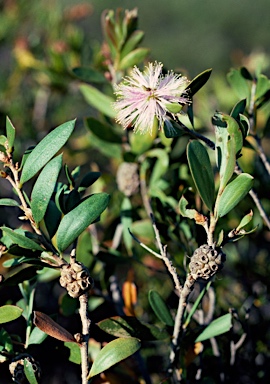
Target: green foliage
(9,313)
(160,308)
(113,353)
(217,327)
(59,205)
(45,150)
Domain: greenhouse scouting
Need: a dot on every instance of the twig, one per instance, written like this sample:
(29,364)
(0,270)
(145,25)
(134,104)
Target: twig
(83,299)
(85,335)
(178,329)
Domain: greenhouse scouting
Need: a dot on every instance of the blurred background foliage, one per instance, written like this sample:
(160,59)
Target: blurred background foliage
(40,43)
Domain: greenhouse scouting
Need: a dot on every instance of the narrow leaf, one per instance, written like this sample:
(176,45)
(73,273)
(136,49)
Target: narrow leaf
(29,372)
(9,202)
(245,221)
(201,171)
(98,100)
(46,149)
(219,326)
(129,326)
(160,308)
(133,58)
(114,352)
(239,108)
(77,220)
(234,193)
(126,220)
(44,187)
(21,240)
(49,326)
(198,82)
(9,313)
(10,134)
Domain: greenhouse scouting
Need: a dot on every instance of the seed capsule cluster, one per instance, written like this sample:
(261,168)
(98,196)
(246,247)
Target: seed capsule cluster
(206,261)
(16,368)
(76,279)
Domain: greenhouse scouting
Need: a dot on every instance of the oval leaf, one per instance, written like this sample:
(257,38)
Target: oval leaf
(217,327)
(98,100)
(46,149)
(112,353)
(49,326)
(160,308)
(233,193)
(201,171)
(77,220)
(44,187)
(9,313)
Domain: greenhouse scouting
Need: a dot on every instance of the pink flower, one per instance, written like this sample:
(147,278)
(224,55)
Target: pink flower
(144,98)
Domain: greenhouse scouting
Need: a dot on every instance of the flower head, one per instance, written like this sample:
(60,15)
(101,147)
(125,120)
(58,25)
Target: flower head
(146,97)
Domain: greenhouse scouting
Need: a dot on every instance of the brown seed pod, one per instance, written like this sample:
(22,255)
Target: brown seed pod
(206,261)
(76,279)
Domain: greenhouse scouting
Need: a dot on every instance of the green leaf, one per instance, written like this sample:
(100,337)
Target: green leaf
(3,140)
(114,352)
(20,276)
(88,180)
(89,75)
(9,313)
(198,82)
(52,218)
(160,167)
(98,100)
(9,202)
(29,372)
(75,352)
(173,129)
(238,109)
(44,187)
(103,131)
(201,171)
(133,41)
(21,240)
(37,336)
(160,308)
(262,86)
(129,326)
(126,220)
(217,327)
(133,58)
(195,305)
(229,141)
(239,84)
(77,220)
(184,211)
(245,221)
(233,193)
(10,134)
(46,149)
